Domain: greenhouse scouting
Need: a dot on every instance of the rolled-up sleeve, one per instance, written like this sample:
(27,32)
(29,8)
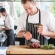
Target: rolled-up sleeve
(51,23)
(21,23)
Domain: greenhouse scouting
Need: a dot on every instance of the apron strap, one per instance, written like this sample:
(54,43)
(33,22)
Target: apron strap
(27,17)
(39,17)
(27,22)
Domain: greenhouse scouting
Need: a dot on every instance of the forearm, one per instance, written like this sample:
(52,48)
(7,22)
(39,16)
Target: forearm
(6,28)
(50,34)
(21,33)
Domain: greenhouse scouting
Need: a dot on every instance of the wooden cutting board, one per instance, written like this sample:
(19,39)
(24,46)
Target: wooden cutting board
(24,50)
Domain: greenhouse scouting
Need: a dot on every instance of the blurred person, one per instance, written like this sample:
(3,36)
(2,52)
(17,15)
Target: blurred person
(9,27)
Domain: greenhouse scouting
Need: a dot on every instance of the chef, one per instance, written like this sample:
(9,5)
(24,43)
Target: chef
(36,23)
(9,27)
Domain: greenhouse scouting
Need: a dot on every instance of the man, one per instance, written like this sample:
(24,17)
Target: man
(29,20)
(9,27)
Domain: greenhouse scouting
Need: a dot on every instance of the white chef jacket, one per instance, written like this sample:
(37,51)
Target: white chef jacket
(47,20)
(9,21)
(1,23)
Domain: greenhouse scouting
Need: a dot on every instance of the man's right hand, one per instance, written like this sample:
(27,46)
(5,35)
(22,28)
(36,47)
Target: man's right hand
(27,35)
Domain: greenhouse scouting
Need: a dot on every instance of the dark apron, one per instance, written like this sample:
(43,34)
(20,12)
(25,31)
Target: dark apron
(10,36)
(33,30)
(51,41)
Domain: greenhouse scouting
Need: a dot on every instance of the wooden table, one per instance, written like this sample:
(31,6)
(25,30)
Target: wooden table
(24,50)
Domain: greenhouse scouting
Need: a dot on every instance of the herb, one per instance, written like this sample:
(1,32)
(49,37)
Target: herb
(50,46)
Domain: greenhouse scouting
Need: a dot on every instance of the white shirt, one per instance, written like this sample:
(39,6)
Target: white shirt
(9,22)
(47,20)
(1,22)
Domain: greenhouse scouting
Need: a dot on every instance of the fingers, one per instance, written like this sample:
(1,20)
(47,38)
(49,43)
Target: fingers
(40,29)
(1,29)
(28,35)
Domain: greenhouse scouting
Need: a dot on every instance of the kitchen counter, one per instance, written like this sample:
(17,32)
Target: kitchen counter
(24,50)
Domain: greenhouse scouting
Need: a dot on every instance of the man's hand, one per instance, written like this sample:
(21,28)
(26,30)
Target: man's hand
(1,29)
(43,32)
(40,29)
(28,35)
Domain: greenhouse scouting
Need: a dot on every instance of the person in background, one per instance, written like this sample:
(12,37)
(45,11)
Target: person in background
(9,27)
(31,18)
(1,21)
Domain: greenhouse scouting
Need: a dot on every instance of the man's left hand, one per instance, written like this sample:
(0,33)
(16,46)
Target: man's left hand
(40,29)
(1,28)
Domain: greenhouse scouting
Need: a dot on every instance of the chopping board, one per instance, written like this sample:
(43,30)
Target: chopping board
(22,49)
